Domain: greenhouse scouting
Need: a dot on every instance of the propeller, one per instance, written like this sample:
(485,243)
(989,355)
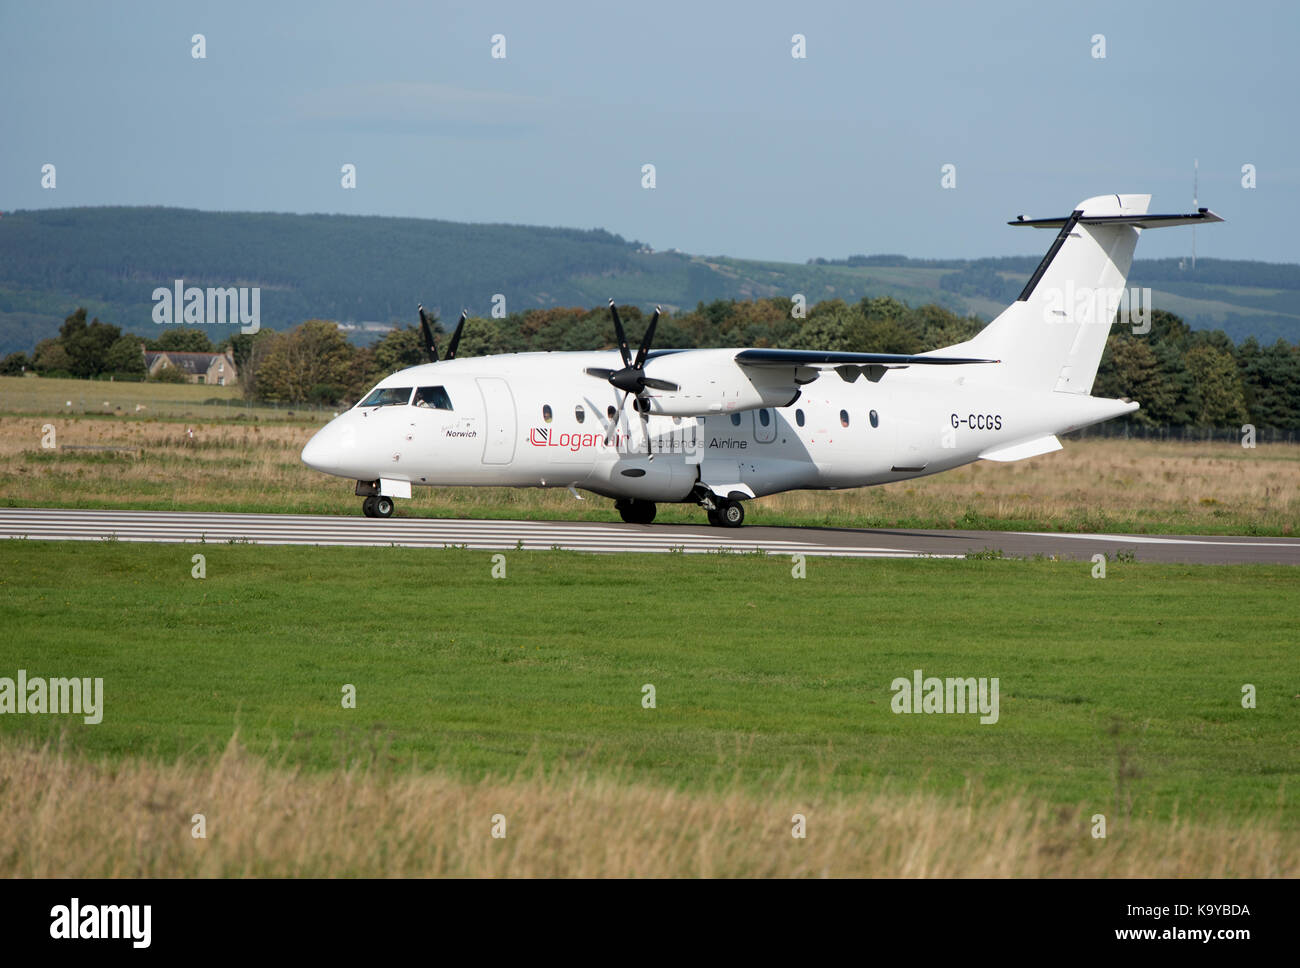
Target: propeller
(426,332)
(455,337)
(631,379)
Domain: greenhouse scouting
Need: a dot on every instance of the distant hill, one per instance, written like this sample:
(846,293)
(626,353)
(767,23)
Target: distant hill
(375,269)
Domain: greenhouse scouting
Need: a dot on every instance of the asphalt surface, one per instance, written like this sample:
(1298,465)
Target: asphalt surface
(301,529)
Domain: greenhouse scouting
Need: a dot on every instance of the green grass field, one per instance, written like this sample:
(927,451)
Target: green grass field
(1120,695)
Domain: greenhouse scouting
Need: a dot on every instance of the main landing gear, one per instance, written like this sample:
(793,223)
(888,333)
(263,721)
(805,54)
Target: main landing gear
(728,514)
(634,511)
(723,512)
(377,506)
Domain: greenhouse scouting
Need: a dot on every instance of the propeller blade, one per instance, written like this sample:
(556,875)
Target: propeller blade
(654,384)
(622,337)
(645,340)
(455,337)
(599,372)
(430,350)
(613,424)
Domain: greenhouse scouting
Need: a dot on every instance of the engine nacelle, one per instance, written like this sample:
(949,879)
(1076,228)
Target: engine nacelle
(711,381)
(666,477)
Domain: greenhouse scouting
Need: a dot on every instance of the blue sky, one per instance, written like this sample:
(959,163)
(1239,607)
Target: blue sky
(757,154)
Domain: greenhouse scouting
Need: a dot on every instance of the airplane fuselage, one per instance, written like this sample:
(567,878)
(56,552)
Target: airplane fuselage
(535,420)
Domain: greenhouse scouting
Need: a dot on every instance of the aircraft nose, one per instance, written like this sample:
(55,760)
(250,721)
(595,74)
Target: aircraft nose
(332,450)
(316,454)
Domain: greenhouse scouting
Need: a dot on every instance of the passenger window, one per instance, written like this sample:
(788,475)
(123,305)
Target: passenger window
(798,417)
(579,413)
(735,420)
(387,397)
(844,418)
(875,418)
(610,412)
(433,397)
(764,418)
(546,412)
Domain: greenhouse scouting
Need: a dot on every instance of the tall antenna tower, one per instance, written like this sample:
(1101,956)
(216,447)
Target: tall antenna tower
(1196,203)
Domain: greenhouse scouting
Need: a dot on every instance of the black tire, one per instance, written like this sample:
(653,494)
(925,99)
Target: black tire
(731,514)
(714,519)
(383,507)
(368,507)
(636,512)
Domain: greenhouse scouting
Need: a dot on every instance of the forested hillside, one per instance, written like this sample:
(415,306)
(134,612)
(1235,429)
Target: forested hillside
(368,268)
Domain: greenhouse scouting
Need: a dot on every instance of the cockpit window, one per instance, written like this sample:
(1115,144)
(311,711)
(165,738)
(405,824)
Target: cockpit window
(387,397)
(434,397)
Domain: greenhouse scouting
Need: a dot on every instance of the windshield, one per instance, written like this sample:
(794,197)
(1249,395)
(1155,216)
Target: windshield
(434,397)
(387,397)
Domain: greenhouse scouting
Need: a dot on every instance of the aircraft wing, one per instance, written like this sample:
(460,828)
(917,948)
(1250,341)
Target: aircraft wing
(825,358)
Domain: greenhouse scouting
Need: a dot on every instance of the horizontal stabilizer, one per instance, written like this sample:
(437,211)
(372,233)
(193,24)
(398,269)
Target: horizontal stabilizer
(1141,221)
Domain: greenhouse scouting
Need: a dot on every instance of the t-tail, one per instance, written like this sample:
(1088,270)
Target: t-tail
(1053,335)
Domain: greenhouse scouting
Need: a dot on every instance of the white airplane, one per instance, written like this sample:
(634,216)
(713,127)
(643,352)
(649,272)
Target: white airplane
(716,427)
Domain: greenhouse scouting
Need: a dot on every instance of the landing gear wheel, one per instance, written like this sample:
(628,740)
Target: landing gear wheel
(636,512)
(714,519)
(383,507)
(730,514)
(368,507)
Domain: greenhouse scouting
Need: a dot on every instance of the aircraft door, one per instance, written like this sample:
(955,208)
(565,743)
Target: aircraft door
(498,420)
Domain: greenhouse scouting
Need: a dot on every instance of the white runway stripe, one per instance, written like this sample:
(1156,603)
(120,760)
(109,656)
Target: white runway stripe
(603,537)
(214,528)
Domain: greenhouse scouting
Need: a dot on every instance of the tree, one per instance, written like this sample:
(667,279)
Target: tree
(14,364)
(299,363)
(482,337)
(248,350)
(825,331)
(124,358)
(400,348)
(885,334)
(882,306)
(86,346)
(51,359)
(1217,399)
(183,341)
(1271,383)
(1131,369)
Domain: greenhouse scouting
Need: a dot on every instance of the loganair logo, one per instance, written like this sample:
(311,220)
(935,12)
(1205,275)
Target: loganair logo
(542,437)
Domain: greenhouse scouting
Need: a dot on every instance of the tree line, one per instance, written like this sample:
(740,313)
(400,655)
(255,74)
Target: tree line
(1182,377)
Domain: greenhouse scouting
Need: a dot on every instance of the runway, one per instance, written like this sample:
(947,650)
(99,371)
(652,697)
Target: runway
(302,529)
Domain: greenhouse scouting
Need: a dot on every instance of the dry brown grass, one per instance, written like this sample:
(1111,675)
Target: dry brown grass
(64,816)
(1197,485)
(1093,484)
